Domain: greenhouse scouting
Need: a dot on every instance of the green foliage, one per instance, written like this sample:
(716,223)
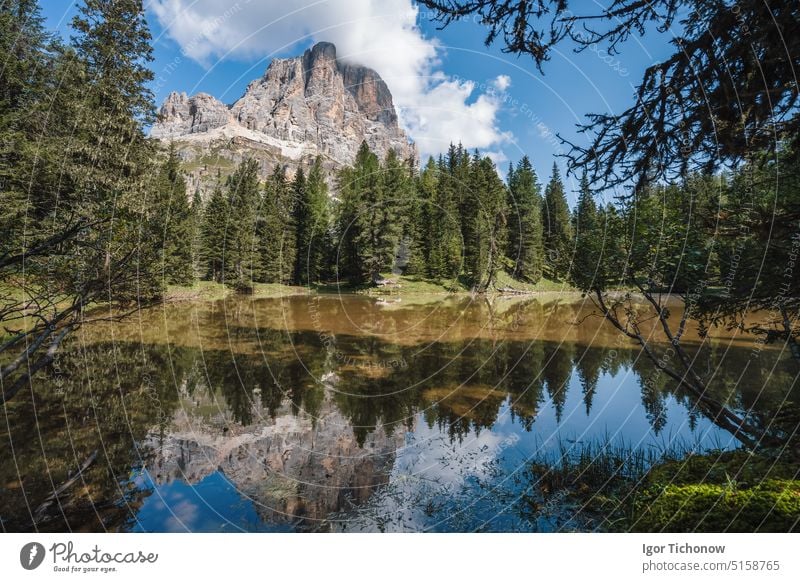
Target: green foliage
(558,238)
(174,222)
(275,230)
(243,197)
(623,489)
(440,224)
(81,197)
(312,220)
(369,225)
(494,222)
(525,242)
(587,262)
(770,506)
(213,233)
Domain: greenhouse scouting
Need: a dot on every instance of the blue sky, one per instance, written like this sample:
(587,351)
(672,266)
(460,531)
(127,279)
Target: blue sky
(446,83)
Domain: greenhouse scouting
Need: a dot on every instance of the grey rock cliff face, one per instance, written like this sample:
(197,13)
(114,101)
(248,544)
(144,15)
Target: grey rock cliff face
(186,115)
(302,107)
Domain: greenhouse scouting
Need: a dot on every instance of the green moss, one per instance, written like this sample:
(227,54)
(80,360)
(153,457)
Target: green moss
(772,505)
(619,490)
(729,491)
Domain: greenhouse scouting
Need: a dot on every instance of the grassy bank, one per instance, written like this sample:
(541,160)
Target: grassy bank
(617,489)
(397,286)
(212,291)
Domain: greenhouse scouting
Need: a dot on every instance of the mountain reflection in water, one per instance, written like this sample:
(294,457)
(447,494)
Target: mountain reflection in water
(342,413)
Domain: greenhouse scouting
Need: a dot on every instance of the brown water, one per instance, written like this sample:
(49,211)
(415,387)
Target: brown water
(343,413)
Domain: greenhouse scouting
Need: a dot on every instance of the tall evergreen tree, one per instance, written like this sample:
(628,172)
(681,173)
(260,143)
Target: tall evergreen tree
(398,237)
(587,263)
(441,229)
(173,222)
(303,226)
(197,226)
(213,236)
(75,172)
(25,47)
(473,224)
(277,234)
(113,42)
(243,194)
(312,221)
(525,233)
(557,228)
(368,224)
(494,217)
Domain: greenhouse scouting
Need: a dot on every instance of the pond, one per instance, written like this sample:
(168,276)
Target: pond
(351,413)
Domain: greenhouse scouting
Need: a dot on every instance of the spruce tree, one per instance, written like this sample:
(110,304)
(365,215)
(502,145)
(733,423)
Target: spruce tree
(449,242)
(213,236)
(241,244)
(301,216)
(494,217)
(313,226)
(587,262)
(473,223)
(112,158)
(368,239)
(173,222)
(75,172)
(23,89)
(277,236)
(393,214)
(197,225)
(557,228)
(525,245)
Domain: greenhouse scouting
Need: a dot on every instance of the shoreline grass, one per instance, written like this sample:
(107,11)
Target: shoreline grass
(401,286)
(620,489)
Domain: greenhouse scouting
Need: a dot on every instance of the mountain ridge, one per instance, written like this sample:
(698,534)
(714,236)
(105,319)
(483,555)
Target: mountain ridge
(302,107)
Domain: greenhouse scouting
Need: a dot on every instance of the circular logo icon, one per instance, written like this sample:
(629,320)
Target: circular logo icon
(31,555)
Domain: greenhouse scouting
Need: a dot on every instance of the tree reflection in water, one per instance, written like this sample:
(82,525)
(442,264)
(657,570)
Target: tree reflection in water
(319,422)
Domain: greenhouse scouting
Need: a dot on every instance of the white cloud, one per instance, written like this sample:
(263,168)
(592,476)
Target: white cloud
(502,82)
(383,34)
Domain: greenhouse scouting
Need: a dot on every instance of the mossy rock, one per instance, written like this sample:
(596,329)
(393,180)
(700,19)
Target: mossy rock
(772,505)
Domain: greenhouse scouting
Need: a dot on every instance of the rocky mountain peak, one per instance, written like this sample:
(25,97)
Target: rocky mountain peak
(313,104)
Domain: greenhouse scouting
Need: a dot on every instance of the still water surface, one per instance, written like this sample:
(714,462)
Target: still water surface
(347,413)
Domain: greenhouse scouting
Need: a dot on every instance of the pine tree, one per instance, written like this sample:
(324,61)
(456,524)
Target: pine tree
(473,223)
(243,203)
(368,226)
(525,245)
(23,88)
(319,204)
(587,262)
(301,215)
(197,226)
(112,156)
(75,172)
(277,236)
(173,222)
(213,236)
(494,217)
(346,227)
(616,243)
(395,207)
(313,227)
(557,228)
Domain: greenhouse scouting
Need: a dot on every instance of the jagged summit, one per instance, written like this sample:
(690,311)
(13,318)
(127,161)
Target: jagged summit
(314,104)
